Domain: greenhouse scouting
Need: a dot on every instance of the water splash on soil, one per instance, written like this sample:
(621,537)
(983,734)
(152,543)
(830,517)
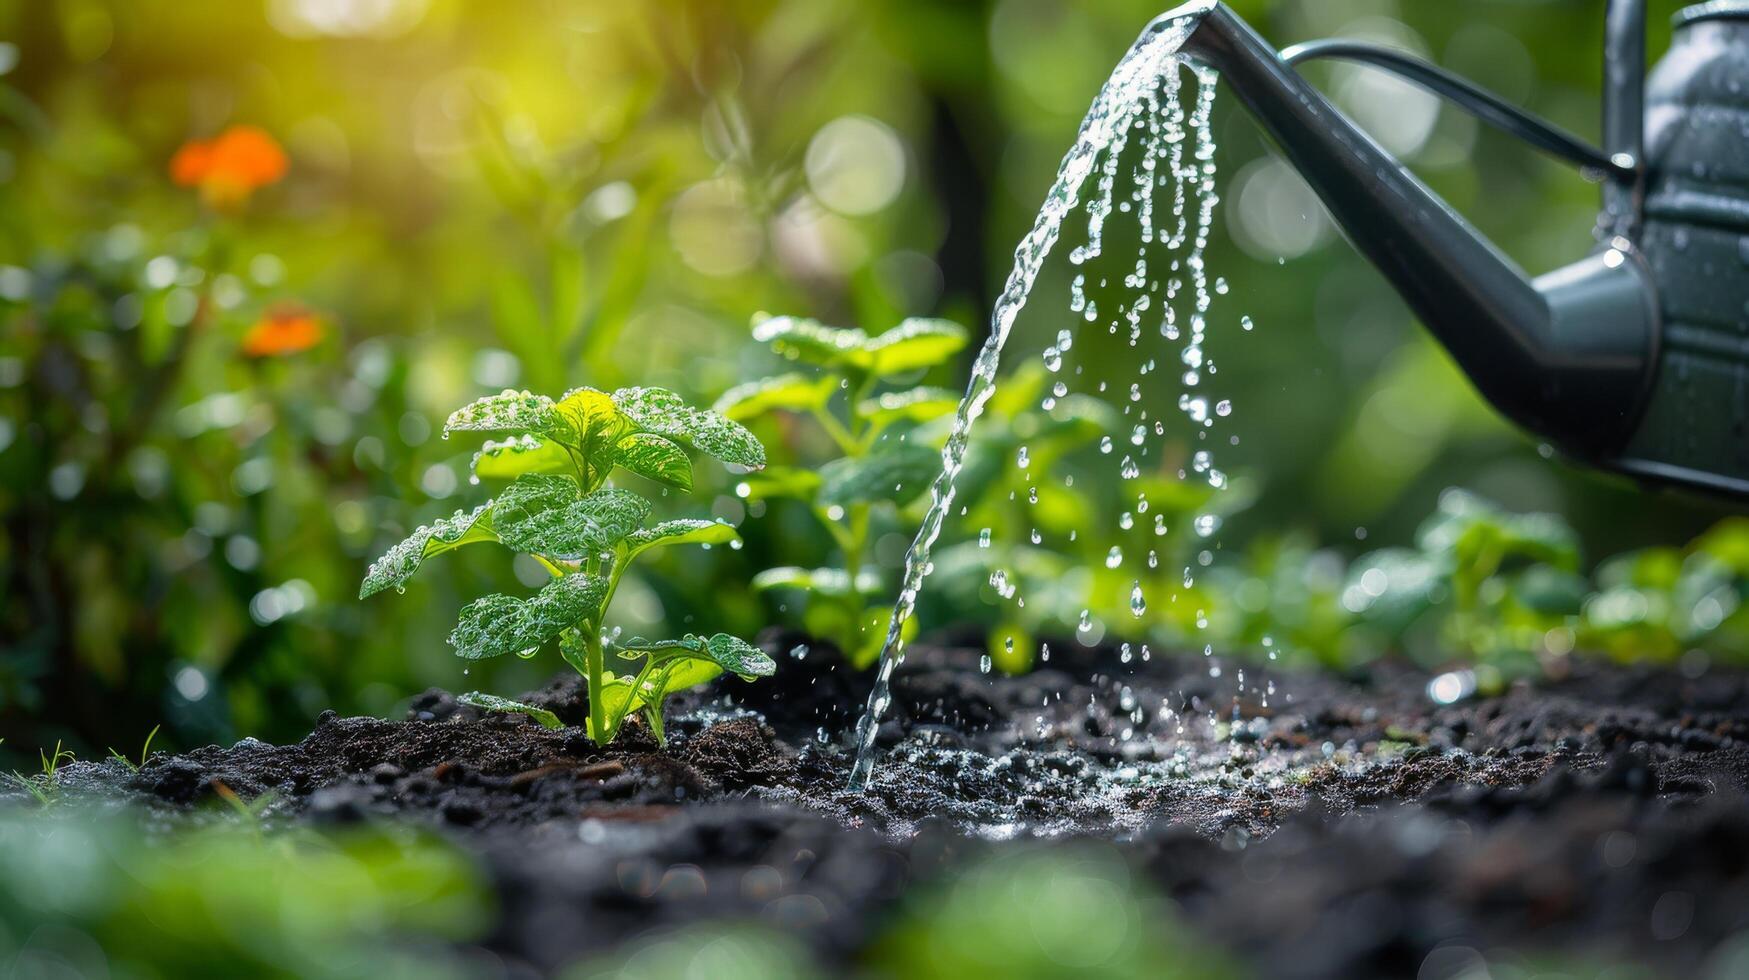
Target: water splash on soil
(1141,95)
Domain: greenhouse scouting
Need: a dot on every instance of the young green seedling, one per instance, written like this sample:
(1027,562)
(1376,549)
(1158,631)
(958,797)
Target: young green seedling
(557,508)
(880,464)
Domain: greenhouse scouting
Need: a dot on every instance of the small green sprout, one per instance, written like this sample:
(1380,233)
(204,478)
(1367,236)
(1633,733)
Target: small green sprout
(557,508)
(45,785)
(880,463)
(145,752)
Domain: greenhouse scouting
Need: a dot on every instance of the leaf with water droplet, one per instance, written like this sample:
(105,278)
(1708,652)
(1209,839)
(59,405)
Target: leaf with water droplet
(786,482)
(507,459)
(739,657)
(492,702)
(618,698)
(731,653)
(829,582)
(498,624)
(899,473)
(917,342)
(654,458)
(911,405)
(680,531)
(806,339)
(514,412)
(791,392)
(399,563)
(544,515)
(665,413)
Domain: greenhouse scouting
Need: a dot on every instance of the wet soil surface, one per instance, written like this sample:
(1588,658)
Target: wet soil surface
(1338,827)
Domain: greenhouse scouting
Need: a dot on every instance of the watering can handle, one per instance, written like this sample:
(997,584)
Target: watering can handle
(1624,76)
(1624,99)
(1466,95)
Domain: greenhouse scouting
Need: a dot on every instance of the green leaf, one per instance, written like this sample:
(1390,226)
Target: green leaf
(498,624)
(631,649)
(399,563)
(509,458)
(829,582)
(898,474)
(597,427)
(681,531)
(911,405)
(618,699)
(915,343)
(533,493)
(571,529)
(514,412)
(593,415)
(663,412)
(783,481)
(794,392)
(737,656)
(680,675)
(1468,528)
(731,653)
(804,339)
(655,458)
(492,702)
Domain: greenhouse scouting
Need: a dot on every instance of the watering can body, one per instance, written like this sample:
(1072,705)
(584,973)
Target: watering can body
(1694,234)
(1634,357)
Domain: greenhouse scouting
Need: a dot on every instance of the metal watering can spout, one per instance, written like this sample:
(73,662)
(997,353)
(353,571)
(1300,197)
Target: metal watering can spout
(1573,355)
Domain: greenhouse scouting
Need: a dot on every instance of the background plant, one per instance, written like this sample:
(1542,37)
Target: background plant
(857,397)
(558,510)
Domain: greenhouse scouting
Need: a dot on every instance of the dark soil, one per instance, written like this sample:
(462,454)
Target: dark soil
(1338,828)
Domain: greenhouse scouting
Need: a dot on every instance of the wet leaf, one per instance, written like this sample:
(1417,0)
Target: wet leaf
(899,474)
(915,343)
(514,412)
(593,416)
(680,675)
(655,458)
(911,405)
(571,529)
(730,653)
(597,428)
(399,563)
(680,531)
(618,698)
(737,656)
(506,459)
(794,392)
(663,412)
(492,702)
(500,624)
(805,339)
(785,482)
(831,582)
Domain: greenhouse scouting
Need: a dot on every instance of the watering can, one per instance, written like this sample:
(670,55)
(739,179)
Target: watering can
(1634,358)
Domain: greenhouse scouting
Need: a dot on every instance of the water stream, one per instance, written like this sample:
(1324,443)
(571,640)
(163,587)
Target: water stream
(1141,95)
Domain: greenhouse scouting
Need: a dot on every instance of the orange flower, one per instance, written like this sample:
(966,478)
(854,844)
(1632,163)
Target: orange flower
(229,167)
(283,330)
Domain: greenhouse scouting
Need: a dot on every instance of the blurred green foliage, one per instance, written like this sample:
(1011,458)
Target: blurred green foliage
(871,423)
(560,193)
(88,897)
(1486,585)
(1041,913)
